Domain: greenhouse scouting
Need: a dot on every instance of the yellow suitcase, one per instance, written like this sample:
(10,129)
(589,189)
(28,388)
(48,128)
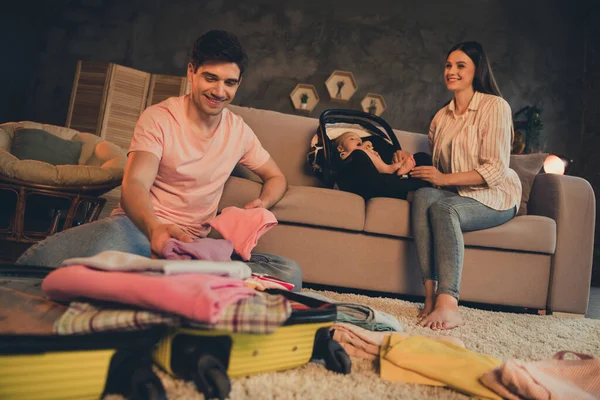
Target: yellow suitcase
(79,367)
(210,358)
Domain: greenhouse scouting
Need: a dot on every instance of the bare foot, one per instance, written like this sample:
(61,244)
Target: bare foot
(427,308)
(445,314)
(430,287)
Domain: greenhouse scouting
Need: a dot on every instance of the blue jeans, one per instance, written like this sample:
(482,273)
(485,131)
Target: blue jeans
(119,233)
(439,217)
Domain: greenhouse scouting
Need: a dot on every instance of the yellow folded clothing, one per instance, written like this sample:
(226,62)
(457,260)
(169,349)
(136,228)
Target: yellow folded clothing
(390,372)
(433,362)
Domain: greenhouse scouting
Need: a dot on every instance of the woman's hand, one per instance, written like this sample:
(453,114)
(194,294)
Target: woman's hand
(430,174)
(400,156)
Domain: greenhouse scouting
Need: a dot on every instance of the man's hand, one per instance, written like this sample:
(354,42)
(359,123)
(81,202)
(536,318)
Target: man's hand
(400,156)
(162,233)
(430,174)
(256,203)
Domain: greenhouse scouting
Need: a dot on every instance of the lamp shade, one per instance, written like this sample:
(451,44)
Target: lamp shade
(555,165)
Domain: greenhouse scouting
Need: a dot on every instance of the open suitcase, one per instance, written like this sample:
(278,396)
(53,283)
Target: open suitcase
(210,358)
(37,367)
(78,367)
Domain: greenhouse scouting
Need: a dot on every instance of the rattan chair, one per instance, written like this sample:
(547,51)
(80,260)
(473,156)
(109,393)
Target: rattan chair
(39,199)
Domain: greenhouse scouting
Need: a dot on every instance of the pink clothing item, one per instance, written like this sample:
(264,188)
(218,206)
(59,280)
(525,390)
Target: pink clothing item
(261,282)
(549,380)
(243,227)
(194,164)
(198,297)
(200,249)
(356,343)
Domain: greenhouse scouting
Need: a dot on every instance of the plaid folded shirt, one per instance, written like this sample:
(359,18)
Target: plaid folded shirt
(259,314)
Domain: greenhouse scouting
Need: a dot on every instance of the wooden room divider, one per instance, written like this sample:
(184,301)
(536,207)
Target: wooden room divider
(107,99)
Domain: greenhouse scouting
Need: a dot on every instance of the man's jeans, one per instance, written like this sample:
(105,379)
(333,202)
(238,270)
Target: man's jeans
(439,217)
(119,233)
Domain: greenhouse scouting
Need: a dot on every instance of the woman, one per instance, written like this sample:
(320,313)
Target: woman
(473,187)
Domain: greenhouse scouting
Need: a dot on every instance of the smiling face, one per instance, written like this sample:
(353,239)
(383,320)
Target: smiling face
(459,72)
(348,142)
(214,86)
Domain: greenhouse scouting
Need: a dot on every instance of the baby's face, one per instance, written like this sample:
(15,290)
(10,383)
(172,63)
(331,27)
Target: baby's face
(350,142)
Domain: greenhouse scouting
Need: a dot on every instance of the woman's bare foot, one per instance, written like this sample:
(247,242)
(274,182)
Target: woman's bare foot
(445,314)
(430,288)
(427,308)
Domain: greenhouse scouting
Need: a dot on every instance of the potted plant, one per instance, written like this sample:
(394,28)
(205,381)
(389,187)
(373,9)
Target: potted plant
(303,101)
(372,107)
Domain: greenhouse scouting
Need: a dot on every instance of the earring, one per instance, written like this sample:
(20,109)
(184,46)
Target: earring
(342,154)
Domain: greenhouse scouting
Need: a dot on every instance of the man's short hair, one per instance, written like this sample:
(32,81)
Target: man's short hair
(219,46)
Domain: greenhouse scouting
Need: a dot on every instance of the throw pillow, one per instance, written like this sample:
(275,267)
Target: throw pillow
(39,145)
(527,166)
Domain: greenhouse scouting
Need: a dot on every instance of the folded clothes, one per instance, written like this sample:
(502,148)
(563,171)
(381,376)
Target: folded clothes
(243,227)
(558,378)
(424,360)
(260,314)
(361,315)
(120,261)
(362,343)
(200,249)
(199,297)
(358,342)
(262,282)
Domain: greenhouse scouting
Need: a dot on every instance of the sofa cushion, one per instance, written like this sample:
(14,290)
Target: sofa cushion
(388,216)
(39,145)
(526,233)
(321,207)
(302,204)
(527,166)
(5,140)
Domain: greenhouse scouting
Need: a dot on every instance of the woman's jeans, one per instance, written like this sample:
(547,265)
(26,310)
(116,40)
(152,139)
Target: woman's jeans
(439,217)
(119,233)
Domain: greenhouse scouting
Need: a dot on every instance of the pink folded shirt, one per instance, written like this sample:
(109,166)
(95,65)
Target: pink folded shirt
(243,227)
(200,249)
(198,297)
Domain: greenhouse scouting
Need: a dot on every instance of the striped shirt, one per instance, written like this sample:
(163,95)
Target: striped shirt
(481,141)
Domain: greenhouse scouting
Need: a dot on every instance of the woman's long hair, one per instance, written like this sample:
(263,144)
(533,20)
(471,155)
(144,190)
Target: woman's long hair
(484,77)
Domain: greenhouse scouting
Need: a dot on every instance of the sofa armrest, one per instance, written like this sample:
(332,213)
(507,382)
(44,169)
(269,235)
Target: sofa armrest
(570,201)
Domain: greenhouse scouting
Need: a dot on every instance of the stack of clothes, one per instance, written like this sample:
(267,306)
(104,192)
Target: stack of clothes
(196,284)
(115,291)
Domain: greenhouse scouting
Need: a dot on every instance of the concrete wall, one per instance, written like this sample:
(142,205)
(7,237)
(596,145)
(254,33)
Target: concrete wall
(588,164)
(394,48)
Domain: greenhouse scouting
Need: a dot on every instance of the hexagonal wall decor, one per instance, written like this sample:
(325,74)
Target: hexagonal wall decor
(373,103)
(304,97)
(341,85)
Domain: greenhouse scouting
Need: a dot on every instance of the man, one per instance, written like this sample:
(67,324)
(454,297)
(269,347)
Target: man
(182,152)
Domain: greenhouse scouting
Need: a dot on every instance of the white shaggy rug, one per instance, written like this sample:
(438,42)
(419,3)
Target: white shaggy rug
(502,335)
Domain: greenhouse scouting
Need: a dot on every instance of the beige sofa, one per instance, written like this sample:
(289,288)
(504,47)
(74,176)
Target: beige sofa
(542,260)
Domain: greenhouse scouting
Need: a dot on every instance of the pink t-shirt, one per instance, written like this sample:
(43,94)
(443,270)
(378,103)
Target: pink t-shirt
(194,165)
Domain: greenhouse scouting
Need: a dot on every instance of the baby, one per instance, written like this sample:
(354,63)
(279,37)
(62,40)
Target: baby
(347,142)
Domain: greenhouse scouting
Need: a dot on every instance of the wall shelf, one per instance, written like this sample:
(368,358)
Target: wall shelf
(311,99)
(341,85)
(373,103)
